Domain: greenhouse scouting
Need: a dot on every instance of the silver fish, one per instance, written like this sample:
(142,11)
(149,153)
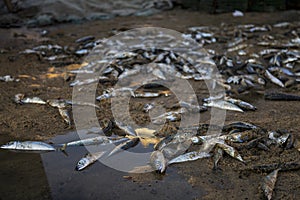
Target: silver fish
(190,156)
(126,128)
(99,140)
(147,107)
(8,78)
(64,113)
(218,154)
(240,103)
(269,183)
(124,146)
(35,100)
(158,161)
(88,159)
(28,146)
(273,79)
(57,103)
(230,151)
(223,105)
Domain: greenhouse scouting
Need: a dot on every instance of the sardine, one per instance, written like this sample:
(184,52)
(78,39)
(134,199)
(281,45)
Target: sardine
(64,113)
(8,78)
(231,151)
(277,96)
(190,156)
(240,126)
(124,146)
(147,107)
(28,146)
(88,159)
(158,161)
(99,140)
(126,128)
(269,184)
(223,105)
(218,154)
(242,104)
(35,100)
(273,79)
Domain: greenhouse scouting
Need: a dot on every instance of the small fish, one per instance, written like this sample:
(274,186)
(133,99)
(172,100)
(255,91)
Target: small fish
(273,79)
(147,94)
(57,103)
(99,140)
(240,126)
(242,104)
(223,105)
(28,146)
(269,183)
(218,154)
(35,100)
(158,161)
(88,159)
(85,39)
(126,128)
(281,97)
(64,113)
(8,78)
(190,156)
(77,103)
(124,146)
(230,151)
(147,107)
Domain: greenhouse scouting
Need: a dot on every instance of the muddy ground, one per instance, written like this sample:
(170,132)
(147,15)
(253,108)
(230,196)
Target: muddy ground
(39,122)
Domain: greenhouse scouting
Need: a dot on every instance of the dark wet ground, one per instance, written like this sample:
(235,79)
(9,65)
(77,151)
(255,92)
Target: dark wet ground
(26,175)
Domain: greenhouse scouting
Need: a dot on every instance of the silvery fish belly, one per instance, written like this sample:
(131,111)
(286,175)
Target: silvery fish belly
(88,159)
(28,146)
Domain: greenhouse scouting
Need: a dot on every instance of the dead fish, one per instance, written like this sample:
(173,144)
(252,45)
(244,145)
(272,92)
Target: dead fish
(239,126)
(158,161)
(277,96)
(88,159)
(242,104)
(273,79)
(269,184)
(64,113)
(190,156)
(223,105)
(231,151)
(35,100)
(28,146)
(126,128)
(192,108)
(218,154)
(8,78)
(77,103)
(82,52)
(147,107)
(85,39)
(147,94)
(57,103)
(124,146)
(104,96)
(99,140)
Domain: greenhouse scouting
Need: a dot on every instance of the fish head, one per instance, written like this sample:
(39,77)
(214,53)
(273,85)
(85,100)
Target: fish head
(82,164)
(10,145)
